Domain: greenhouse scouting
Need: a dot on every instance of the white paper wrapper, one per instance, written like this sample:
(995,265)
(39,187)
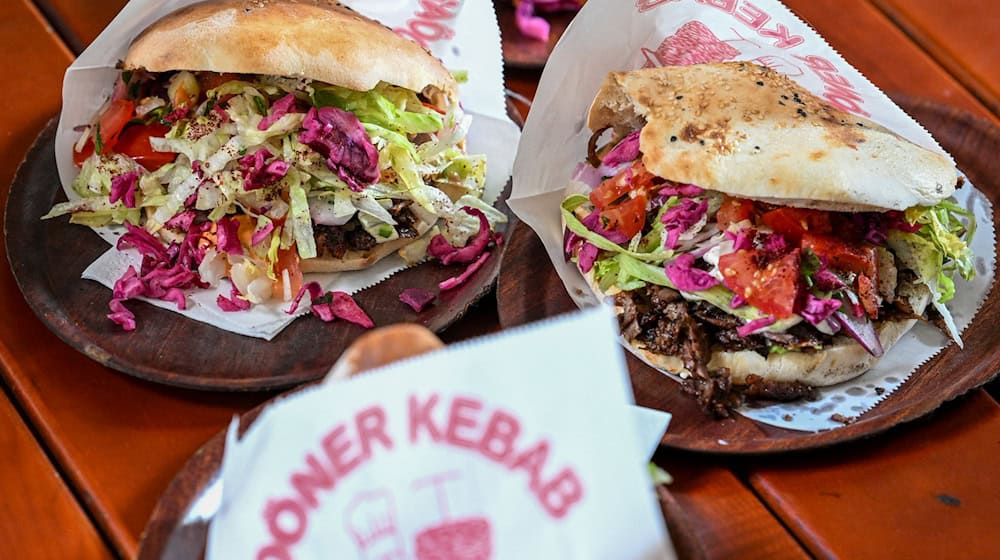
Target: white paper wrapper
(676,32)
(465,36)
(402,490)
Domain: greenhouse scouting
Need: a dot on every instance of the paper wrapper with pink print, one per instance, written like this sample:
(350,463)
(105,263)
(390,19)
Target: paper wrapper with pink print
(465,36)
(462,454)
(612,35)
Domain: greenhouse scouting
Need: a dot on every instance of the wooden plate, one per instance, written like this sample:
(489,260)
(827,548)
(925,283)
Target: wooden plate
(523,52)
(176,530)
(47,258)
(529,290)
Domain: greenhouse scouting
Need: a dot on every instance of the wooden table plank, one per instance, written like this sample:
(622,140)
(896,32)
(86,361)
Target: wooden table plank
(80,22)
(959,35)
(36,501)
(928,490)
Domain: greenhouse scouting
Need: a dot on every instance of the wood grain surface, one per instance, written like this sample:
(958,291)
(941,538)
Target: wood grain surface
(36,500)
(959,35)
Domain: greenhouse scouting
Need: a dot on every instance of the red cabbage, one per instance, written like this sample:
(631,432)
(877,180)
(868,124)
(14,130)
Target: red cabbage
(120,315)
(570,242)
(262,233)
(681,189)
(627,150)
(753,326)
(529,24)
(256,175)
(181,221)
(737,301)
(233,303)
(457,281)
(315,291)
(774,244)
(861,330)
(742,239)
(142,240)
(440,249)
(685,277)
(227,236)
(680,218)
(897,220)
(176,115)
(816,310)
(331,305)
(123,188)
(417,298)
(339,137)
(128,286)
(177,297)
(344,307)
(827,281)
(279,109)
(592,222)
(586,256)
(587,175)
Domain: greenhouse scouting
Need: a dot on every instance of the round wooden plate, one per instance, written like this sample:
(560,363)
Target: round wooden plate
(47,258)
(529,290)
(178,527)
(524,52)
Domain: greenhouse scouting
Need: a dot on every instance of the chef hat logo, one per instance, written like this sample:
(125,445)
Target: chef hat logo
(370,520)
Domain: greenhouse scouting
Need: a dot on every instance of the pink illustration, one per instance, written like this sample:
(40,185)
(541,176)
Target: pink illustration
(646,5)
(371,521)
(695,43)
(452,539)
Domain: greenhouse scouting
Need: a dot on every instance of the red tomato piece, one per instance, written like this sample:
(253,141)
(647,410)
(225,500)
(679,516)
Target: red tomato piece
(627,217)
(794,222)
(82,155)
(288,259)
(857,258)
(771,286)
(113,121)
(734,210)
(866,293)
(611,189)
(134,142)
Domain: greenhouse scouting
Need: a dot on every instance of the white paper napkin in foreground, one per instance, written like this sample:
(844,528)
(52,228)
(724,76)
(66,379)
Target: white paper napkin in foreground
(465,36)
(513,446)
(647,33)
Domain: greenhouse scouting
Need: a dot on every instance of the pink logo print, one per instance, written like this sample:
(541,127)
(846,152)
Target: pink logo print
(458,539)
(646,5)
(694,43)
(371,521)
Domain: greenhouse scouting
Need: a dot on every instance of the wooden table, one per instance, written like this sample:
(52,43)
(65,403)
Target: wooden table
(89,450)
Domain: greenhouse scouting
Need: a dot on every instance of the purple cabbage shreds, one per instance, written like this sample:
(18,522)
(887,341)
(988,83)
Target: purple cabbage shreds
(340,138)
(587,175)
(753,326)
(123,188)
(897,220)
(816,310)
(685,277)
(176,115)
(121,316)
(586,257)
(256,175)
(627,150)
(593,222)
(678,219)
(143,241)
(233,303)
(344,307)
(743,239)
(418,299)
(873,225)
(528,23)
(774,244)
(457,281)
(262,233)
(227,236)
(440,249)
(314,290)
(737,301)
(683,189)
(827,281)
(181,221)
(570,243)
(279,109)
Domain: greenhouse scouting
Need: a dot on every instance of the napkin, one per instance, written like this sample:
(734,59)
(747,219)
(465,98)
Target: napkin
(518,445)
(465,36)
(648,33)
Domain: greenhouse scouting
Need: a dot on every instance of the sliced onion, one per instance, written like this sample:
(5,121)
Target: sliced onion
(861,330)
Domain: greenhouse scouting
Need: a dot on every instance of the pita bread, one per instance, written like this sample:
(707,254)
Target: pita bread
(315,39)
(751,132)
(358,260)
(842,361)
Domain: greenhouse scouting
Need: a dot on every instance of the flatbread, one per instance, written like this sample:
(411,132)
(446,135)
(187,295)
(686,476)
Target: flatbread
(315,39)
(358,260)
(751,132)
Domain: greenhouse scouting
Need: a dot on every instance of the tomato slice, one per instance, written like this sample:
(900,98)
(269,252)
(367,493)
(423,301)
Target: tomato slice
(288,259)
(113,121)
(134,142)
(635,178)
(857,258)
(794,222)
(82,155)
(771,286)
(628,217)
(866,293)
(734,210)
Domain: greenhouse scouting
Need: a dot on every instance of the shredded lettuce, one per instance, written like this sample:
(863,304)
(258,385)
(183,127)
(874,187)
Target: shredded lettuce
(572,202)
(922,256)
(300,222)
(387,106)
(948,226)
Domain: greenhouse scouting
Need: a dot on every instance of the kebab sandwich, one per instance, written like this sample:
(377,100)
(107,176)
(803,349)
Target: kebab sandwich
(752,236)
(262,140)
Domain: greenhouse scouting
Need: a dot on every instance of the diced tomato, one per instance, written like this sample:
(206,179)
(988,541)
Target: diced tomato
(635,178)
(771,286)
(288,259)
(113,121)
(432,107)
(134,142)
(627,217)
(860,258)
(734,210)
(866,293)
(794,222)
(82,155)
